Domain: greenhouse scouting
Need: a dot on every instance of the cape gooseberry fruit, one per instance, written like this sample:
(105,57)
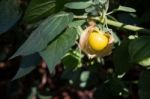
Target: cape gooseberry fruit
(97,41)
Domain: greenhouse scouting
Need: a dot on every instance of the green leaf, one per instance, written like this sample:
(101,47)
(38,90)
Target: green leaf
(60,4)
(102,92)
(78,5)
(39,9)
(28,64)
(139,49)
(145,62)
(71,60)
(117,86)
(121,58)
(57,49)
(100,1)
(10,14)
(125,9)
(45,97)
(84,76)
(76,23)
(144,85)
(45,33)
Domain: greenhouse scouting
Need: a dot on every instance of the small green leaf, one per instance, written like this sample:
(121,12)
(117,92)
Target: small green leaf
(57,49)
(84,76)
(28,64)
(71,60)
(121,58)
(78,5)
(139,49)
(125,9)
(45,33)
(90,9)
(144,85)
(145,62)
(39,9)
(10,14)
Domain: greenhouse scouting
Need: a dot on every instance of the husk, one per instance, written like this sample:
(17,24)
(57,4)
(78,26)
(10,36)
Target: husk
(85,47)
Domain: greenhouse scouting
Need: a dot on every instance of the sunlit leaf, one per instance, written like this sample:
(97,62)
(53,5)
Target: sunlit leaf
(78,5)
(125,9)
(84,76)
(145,62)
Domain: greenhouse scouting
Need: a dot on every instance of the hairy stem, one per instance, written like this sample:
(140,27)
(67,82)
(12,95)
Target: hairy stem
(119,25)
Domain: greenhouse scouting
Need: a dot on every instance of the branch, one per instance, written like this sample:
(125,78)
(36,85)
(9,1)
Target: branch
(119,25)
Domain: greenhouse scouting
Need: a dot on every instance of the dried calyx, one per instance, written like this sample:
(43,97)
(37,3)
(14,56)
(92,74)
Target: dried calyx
(95,42)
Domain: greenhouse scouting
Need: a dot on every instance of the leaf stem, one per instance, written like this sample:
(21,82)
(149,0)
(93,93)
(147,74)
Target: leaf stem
(118,24)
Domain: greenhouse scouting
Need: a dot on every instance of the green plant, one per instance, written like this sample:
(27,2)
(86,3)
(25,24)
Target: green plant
(55,29)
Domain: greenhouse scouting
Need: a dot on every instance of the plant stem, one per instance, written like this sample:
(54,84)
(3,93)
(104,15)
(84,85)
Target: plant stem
(119,25)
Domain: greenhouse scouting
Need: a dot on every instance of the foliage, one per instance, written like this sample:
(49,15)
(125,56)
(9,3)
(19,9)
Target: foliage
(52,29)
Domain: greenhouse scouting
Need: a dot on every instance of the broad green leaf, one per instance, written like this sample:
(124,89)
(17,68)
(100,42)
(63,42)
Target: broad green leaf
(139,49)
(78,5)
(144,85)
(39,9)
(10,14)
(57,49)
(28,64)
(45,33)
(121,58)
(125,9)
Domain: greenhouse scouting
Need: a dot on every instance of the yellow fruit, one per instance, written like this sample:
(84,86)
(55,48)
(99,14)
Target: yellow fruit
(97,41)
